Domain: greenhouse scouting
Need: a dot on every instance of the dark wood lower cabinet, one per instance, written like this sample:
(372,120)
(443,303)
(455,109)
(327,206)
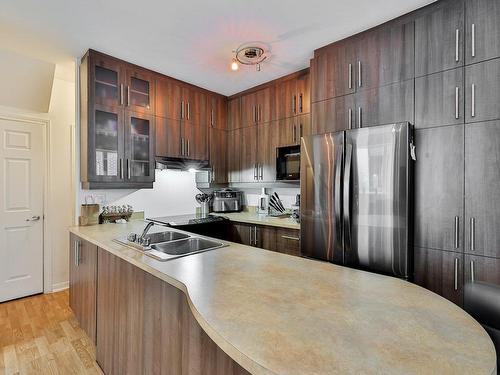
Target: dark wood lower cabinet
(440,272)
(83,283)
(145,326)
(478,268)
(282,240)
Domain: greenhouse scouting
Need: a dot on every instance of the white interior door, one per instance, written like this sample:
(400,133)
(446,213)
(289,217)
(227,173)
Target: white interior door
(21,209)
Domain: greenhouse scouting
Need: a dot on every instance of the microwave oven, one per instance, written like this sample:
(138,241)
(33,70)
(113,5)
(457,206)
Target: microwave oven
(288,163)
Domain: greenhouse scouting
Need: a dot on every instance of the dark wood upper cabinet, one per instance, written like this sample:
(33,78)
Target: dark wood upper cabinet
(439,38)
(483,30)
(218,156)
(482,91)
(482,188)
(439,188)
(234,139)
(439,99)
(234,118)
(83,284)
(292,97)
(217,112)
(267,139)
(333,71)
(385,105)
(168,137)
(105,80)
(385,56)
(440,272)
(139,147)
(334,114)
(247,149)
(195,138)
(168,98)
(140,90)
(194,106)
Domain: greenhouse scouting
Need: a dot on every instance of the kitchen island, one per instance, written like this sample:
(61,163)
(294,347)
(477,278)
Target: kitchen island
(274,314)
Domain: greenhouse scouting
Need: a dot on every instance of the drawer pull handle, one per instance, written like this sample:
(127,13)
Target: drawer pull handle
(291,238)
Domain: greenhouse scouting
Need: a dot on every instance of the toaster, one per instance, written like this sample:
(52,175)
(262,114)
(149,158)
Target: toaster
(227,200)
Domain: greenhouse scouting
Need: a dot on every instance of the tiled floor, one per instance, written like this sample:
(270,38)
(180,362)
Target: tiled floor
(40,335)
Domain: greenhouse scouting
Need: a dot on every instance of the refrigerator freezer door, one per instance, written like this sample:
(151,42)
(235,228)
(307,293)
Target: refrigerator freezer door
(378,212)
(321,197)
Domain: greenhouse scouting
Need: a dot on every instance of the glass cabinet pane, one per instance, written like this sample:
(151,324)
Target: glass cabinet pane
(106,143)
(106,84)
(140,134)
(139,92)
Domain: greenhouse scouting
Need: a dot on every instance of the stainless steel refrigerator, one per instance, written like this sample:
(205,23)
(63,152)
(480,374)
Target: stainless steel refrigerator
(355,198)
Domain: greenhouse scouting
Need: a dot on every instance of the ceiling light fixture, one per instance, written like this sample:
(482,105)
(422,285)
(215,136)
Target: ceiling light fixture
(234,65)
(250,54)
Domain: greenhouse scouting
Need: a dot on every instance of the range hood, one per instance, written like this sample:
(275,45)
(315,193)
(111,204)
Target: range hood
(181,164)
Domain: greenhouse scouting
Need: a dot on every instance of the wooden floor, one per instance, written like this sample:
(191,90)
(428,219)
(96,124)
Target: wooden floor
(40,335)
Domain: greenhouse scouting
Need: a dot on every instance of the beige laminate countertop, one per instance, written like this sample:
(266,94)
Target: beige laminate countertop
(254,218)
(279,314)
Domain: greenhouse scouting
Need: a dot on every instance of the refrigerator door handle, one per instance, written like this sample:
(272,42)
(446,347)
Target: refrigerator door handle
(347,197)
(337,186)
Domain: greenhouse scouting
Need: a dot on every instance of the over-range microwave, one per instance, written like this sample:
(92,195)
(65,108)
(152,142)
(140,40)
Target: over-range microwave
(288,163)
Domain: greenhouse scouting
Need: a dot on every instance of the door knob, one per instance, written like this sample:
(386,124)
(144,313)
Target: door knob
(33,218)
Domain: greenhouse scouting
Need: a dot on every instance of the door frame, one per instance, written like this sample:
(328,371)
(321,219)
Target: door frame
(46,243)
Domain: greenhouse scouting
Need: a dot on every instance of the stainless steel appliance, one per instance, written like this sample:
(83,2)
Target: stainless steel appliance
(355,198)
(288,163)
(227,200)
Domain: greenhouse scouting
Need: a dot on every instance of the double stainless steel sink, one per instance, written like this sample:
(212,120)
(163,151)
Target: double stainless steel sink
(169,244)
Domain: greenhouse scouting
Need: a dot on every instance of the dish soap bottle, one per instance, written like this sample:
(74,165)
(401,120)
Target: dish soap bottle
(263,208)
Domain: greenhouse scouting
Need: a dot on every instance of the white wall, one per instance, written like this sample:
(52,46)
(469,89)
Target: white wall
(59,211)
(172,194)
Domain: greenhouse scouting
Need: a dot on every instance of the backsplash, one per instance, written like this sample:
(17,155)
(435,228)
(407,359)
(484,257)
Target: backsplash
(287,195)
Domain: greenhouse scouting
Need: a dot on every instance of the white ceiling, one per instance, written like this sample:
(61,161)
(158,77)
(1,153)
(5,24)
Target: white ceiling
(191,40)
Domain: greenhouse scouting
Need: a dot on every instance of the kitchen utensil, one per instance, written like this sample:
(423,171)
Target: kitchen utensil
(279,201)
(274,204)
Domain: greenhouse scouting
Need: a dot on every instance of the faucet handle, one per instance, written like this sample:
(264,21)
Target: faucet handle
(145,241)
(132,237)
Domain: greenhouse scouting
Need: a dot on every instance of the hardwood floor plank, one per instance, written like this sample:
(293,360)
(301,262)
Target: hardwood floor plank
(40,335)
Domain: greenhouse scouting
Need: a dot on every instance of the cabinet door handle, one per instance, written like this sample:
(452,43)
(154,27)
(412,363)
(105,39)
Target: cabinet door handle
(182,109)
(473,41)
(255,173)
(255,236)
(250,235)
(76,251)
(212,117)
(187,141)
(188,110)
(121,169)
(350,76)
(457,242)
(473,100)
(359,74)
(472,234)
(360,122)
(457,113)
(472,275)
(261,174)
(128,96)
(128,169)
(349,119)
(121,93)
(291,238)
(294,134)
(456,274)
(301,103)
(457,36)
(294,104)
(181,147)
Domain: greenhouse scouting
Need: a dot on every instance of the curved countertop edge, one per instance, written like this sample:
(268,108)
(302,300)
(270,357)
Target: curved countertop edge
(254,218)
(249,364)
(243,360)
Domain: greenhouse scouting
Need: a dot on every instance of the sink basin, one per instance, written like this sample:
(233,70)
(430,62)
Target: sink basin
(175,249)
(155,238)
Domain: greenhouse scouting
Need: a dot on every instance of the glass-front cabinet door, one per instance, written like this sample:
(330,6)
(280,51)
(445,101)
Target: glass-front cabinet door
(139,145)
(139,91)
(106,82)
(107,144)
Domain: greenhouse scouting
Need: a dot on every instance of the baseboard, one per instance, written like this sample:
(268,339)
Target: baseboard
(57,287)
